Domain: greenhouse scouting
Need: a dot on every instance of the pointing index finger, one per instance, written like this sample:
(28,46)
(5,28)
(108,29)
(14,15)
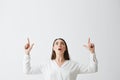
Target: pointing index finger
(89,40)
(28,40)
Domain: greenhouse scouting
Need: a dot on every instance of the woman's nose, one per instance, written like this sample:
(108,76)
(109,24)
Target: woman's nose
(59,45)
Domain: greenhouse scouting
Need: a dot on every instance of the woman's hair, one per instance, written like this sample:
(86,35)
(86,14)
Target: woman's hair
(66,53)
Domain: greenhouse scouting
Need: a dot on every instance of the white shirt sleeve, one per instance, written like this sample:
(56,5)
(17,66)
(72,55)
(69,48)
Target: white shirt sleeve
(91,67)
(27,69)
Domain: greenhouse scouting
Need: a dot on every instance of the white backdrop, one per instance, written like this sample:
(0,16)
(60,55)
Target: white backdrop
(74,20)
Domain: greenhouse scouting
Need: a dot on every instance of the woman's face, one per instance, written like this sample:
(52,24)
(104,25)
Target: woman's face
(59,47)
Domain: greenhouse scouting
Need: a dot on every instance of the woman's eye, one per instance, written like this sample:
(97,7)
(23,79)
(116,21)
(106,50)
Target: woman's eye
(56,43)
(59,43)
(62,43)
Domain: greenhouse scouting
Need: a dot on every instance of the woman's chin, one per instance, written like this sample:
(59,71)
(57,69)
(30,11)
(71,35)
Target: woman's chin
(59,52)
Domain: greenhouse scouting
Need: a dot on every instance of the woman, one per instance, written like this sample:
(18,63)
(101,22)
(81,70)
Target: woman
(60,66)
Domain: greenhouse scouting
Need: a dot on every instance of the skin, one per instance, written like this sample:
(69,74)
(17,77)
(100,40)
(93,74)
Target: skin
(59,48)
(90,46)
(28,47)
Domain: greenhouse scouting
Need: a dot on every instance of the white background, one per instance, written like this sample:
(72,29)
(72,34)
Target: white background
(73,20)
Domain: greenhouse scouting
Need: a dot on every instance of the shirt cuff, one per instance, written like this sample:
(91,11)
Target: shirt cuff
(93,57)
(27,57)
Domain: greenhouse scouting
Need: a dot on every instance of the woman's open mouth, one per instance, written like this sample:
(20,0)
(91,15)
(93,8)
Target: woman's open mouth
(59,49)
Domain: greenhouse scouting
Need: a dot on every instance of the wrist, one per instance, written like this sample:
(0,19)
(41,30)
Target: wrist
(27,53)
(92,52)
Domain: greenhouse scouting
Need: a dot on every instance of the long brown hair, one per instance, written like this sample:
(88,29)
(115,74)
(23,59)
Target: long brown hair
(66,53)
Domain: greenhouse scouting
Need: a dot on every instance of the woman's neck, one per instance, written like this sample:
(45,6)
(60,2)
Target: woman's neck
(60,58)
(59,61)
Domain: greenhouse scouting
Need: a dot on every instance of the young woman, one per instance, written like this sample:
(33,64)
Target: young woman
(60,66)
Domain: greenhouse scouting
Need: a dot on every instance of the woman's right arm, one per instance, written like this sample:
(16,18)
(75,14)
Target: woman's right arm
(27,69)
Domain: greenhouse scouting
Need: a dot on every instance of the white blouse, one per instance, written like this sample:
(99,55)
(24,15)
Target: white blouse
(68,70)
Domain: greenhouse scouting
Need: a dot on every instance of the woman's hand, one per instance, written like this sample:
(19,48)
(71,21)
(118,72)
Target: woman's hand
(28,47)
(90,46)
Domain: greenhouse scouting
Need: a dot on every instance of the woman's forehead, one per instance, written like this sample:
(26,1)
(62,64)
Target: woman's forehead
(59,40)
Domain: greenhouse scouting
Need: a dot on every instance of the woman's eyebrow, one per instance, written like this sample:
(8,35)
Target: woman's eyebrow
(62,42)
(56,42)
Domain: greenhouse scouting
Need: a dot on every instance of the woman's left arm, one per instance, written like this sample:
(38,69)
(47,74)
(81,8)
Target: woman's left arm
(92,67)
(93,64)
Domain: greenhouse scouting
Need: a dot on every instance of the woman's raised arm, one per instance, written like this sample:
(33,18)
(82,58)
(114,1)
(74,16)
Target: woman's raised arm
(26,62)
